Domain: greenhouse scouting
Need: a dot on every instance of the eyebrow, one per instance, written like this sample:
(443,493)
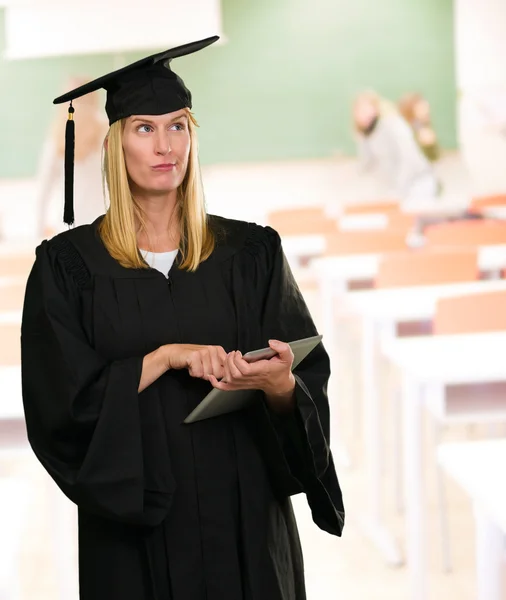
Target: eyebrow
(150,122)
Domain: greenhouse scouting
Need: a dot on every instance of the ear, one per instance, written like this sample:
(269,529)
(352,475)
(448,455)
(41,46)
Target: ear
(106,142)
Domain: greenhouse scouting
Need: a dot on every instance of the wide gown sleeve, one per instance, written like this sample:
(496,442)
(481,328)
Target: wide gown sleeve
(83,413)
(304,435)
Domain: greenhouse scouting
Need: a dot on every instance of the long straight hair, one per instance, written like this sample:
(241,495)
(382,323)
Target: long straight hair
(118,229)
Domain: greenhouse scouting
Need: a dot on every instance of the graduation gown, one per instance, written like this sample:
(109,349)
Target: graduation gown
(169,511)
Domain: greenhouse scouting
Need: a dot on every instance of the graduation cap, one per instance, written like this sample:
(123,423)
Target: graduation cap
(145,87)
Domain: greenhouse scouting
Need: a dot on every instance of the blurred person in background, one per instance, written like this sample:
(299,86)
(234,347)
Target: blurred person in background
(91,128)
(416,110)
(386,144)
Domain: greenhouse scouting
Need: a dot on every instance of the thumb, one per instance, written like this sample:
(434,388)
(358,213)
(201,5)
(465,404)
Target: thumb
(282,348)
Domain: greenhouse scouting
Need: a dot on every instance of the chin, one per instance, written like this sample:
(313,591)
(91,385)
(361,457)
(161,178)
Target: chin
(161,191)
(162,187)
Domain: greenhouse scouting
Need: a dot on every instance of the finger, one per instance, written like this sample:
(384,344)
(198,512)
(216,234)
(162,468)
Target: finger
(195,367)
(222,354)
(234,371)
(214,382)
(226,368)
(207,365)
(219,385)
(283,349)
(216,363)
(241,365)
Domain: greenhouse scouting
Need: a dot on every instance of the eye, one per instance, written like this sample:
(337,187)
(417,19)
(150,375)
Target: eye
(144,128)
(178,126)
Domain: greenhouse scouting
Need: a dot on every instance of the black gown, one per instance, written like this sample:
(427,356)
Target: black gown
(169,511)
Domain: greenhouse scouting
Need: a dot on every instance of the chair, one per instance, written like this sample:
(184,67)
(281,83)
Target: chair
(415,268)
(475,313)
(385,206)
(481,202)
(400,220)
(468,404)
(421,267)
(365,242)
(466,233)
(301,221)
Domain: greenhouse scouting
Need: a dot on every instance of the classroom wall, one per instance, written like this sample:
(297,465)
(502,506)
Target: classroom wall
(280,88)
(480,56)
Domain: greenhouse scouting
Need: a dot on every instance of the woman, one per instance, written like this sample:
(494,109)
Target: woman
(89,201)
(116,354)
(386,143)
(416,110)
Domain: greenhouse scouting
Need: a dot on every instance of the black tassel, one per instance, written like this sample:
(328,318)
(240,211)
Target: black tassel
(68,211)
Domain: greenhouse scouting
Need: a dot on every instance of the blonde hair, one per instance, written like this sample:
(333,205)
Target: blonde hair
(407,105)
(118,229)
(383,106)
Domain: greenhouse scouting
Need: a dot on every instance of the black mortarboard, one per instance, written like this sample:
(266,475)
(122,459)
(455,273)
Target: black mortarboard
(145,87)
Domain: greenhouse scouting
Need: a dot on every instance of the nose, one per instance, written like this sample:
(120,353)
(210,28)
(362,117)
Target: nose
(162,143)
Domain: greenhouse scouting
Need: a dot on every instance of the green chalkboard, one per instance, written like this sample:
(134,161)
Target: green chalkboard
(279,88)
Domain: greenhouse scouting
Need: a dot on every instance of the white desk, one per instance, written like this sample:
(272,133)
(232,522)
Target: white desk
(334,273)
(479,467)
(359,222)
(380,311)
(6,282)
(340,270)
(8,249)
(12,421)
(12,317)
(297,247)
(303,245)
(495,212)
(13,438)
(428,364)
(11,406)
(412,302)
(14,502)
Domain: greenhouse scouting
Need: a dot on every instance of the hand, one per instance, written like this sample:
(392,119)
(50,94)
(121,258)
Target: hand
(274,376)
(201,361)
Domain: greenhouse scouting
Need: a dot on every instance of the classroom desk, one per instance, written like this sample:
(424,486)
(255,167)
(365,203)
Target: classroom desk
(478,467)
(334,273)
(13,280)
(359,222)
(12,422)
(495,212)
(11,317)
(380,310)
(340,270)
(62,514)
(429,364)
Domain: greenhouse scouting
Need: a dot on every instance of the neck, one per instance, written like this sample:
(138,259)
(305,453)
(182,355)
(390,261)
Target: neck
(161,220)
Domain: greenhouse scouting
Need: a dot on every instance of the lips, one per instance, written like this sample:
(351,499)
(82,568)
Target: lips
(164,167)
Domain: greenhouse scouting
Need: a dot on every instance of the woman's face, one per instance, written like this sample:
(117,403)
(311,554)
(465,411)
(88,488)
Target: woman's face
(421,111)
(156,151)
(364,113)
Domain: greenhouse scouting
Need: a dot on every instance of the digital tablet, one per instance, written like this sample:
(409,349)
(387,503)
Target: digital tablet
(218,402)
